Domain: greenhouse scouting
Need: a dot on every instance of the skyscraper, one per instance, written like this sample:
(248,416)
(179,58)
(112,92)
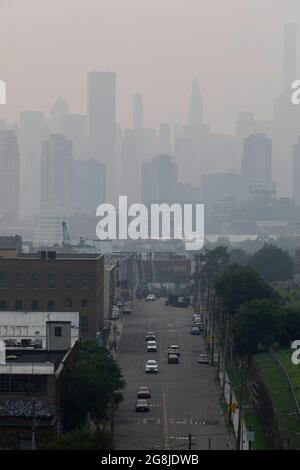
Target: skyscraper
(89,185)
(9,175)
(195,115)
(73,126)
(101,120)
(159,180)
(296,173)
(257,163)
(57,191)
(138,113)
(59,109)
(32,130)
(290,55)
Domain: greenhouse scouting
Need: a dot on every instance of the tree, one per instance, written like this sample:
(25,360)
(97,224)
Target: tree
(240,257)
(92,382)
(82,439)
(255,323)
(240,284)
(212,263)
(273,263)
(288,325)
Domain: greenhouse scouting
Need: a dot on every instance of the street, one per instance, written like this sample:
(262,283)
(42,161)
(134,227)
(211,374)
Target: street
(184,398)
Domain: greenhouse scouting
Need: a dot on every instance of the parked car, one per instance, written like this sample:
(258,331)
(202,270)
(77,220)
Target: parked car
(203,359)
(173,358)
(195,331)
(151,367)
(142,405)
(127,311)
(151,346)
(174,349)
(144,392)
(150,297)
(150,336)
(120,303)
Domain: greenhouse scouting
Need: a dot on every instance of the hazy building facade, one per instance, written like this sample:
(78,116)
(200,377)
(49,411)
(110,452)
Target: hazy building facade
(101,121)
(57,175)
(89,185)
(9,175)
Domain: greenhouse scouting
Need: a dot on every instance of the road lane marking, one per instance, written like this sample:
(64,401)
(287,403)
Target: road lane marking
(165,419)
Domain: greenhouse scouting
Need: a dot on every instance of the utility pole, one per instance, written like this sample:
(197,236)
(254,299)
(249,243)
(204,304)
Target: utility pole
(190,441)
(33,426)
(239,433)
(213,331)
(225,356)
(209,443)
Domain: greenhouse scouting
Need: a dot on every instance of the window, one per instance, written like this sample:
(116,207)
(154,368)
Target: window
(4,383)
(28,383)
(51,281)
(50,305)
(69,281)
(34,305)
(84,303)
(18,305)
(68,303)
(57,331)
(3,305)
(34,280)
(85,281)
(3,280)
(18,281)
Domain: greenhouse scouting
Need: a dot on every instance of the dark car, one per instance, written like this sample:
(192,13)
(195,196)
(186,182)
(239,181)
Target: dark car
(127,311)
(195,331)
(173,359)
(143,393)
(142,405)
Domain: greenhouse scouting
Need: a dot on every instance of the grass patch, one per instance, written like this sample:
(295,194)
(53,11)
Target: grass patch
(280,392)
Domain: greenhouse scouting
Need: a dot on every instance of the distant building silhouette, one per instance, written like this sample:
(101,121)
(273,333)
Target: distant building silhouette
(257,164)
(32,130)
(101,120)
(138,112)
(57,168)
(59,109)
(89,185)
(296,173)
(9,175)
(74,127)
(195,115)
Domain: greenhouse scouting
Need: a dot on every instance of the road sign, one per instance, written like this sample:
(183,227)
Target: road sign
(250,436)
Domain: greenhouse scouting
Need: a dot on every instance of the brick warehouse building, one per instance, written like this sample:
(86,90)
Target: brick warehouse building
(48,281)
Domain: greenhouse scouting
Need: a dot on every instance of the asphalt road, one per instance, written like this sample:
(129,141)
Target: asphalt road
(184,398)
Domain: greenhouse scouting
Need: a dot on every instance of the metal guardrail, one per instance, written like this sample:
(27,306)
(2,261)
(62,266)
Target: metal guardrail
(286,375)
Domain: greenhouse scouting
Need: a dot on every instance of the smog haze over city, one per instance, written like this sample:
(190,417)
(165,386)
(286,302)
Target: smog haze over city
(149,227)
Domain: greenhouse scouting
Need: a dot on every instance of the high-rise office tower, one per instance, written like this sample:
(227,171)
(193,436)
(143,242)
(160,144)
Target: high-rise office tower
(195,115)
(296,173)
(159,180)
(89,185)
(257,164)
(130,178)
(57,166)
(32,130)
(101,120)
(164,140)
(138,113)
(290,55)
(73,126)
(59,109)
(9,175)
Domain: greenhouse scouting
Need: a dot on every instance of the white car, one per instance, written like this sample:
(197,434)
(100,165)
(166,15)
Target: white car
(151,367)
(151,346)
(142,405)
(174,349)
(150,297)
(203,359)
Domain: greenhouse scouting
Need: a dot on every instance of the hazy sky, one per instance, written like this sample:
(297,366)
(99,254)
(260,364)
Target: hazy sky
(234,47)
